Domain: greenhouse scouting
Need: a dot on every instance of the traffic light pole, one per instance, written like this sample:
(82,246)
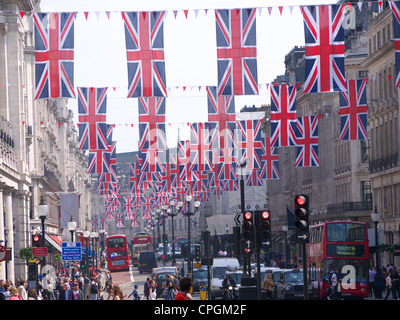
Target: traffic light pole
(305,282)
(257,238)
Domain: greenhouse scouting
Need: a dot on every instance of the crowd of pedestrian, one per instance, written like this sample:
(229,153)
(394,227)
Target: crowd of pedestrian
(65,285)
(384,281)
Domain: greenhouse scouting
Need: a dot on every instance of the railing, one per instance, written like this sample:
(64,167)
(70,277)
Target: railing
(52,178)
(349,206)
(7,154)
(384,163)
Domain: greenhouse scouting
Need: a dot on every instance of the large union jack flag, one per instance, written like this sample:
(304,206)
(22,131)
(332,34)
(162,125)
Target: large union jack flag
(236,52)
(202,139)
(395,6)
(54,55)
(353,110)
(269,160)
(99,161)
(144,39)
(221,111)
(249,141)
(92,110)
(324,48)
(307,141)
(283,115)
(152,124)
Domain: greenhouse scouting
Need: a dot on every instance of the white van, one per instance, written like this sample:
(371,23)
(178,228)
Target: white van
(218,270)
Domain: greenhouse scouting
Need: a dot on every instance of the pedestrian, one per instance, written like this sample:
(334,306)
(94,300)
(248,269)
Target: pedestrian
(146,288)
(7,293)
(32,295)
(267,285)
(152,290)
(371,277)
(22,291)
(66,293)
(78,293)
(94,289)
(135,293)
(379,283)
(184,293)
(169,287)
(394,276)
(388,286)
(334,284)
(14,295)
(117,293)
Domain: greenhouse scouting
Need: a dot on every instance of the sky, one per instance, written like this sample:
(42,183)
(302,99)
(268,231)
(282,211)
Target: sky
(190,56)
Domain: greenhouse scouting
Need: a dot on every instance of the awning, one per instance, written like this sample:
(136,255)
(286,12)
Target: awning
(53,240)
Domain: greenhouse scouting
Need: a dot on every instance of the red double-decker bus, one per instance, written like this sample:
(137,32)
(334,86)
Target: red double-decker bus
(117,253)
(342,245)
(141,242)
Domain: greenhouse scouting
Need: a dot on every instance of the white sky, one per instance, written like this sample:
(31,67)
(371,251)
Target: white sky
(190,56)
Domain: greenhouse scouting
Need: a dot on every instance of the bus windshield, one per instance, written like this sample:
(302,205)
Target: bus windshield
(360,268)
(345,232)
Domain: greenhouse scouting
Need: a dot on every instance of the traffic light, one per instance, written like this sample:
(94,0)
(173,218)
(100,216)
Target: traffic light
(302,213)
(36,240)
(248,226)
(82,264)
(185,252)
(264,226)
(197,253)
(165,238)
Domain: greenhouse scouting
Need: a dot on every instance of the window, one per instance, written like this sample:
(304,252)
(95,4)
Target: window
(345,232)
(366,192)
(364,150)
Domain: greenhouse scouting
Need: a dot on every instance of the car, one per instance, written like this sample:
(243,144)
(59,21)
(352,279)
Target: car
(199,278)
(159,275)
(288,284)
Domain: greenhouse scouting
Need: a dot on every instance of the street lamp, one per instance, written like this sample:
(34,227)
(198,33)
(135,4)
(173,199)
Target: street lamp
(72,227)
(43,210)
(375,219)
(86,235)
(94,236)
(171,212)
(188,214)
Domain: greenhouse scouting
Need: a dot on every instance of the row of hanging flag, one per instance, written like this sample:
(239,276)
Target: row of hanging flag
(208,162)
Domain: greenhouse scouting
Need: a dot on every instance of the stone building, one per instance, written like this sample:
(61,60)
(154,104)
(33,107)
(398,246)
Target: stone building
(38,140)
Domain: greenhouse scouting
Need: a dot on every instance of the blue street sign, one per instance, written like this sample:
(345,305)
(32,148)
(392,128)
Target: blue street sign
(71,251)
(302,237)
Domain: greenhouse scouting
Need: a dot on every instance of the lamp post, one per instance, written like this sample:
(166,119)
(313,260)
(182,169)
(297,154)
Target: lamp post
(43,210)
(163,216)
(93,236)
(375,219)
(188,214)
(171,212)
(86,235)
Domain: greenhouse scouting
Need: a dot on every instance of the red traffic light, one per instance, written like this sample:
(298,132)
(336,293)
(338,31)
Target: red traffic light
(300,200)
(36,238)
(265,215)
(247,215)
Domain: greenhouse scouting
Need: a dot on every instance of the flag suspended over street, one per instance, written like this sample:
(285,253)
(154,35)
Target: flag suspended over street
(395,6)
(54,55)
(144,39)
(324,48)
(92,110)
(237,51)
(307,141)
(353,111)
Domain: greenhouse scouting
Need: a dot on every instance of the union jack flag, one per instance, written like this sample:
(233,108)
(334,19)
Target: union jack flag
(92,110)
(134,174)
(249,140)
(144,39)
(95,222)
(99,161)
(147,206)
(253,178)
(202,139)
(54,55)
(221,110)
(307,141)
(270,161)
(353,111)
(129,211)
(152,124)
(283,115)
(395,6)
(183,162)
(236,52)
(119,220)
(169,177)
(324,48)
(103,219)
